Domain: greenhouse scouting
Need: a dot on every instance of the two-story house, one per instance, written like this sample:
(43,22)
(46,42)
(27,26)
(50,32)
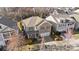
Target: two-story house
(36,26)
(61,22)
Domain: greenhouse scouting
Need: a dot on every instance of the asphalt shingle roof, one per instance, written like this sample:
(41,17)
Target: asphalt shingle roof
(8,22)
(32,21)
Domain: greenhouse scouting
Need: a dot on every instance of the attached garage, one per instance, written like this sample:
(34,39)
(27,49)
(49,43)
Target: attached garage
(45,34)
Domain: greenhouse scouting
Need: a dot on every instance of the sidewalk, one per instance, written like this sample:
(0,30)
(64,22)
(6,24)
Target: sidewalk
(71,45)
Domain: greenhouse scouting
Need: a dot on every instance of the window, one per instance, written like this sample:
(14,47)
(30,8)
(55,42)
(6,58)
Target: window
(0,27)
(59,25)
(66,20)
(37,34)
(61,21)
(68,24)
(47,27)
(31,28)
(6,35)
(31,35)
(42,27)
(64,24)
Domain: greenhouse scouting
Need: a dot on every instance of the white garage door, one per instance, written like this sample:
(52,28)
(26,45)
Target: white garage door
(45,34)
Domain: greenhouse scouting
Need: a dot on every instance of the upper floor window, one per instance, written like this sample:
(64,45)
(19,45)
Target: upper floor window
(66,20)
(62,21)
(42,27)
(47,27)
(31,28)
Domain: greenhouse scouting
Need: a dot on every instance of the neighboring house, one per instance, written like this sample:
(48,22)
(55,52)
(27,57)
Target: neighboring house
(77,11)
(61,22)
(36,26)
(76,18)
(6,28)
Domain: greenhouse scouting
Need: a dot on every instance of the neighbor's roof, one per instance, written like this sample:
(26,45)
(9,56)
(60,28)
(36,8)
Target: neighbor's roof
(76,16)
(32,21)
(7,22)
(77,11)
(57,18)
(51,19)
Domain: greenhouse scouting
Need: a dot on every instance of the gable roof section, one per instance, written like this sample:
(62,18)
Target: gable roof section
(8,22)
(6,29)
(56,18)
(76,16)
(45,21)
(33,21)
(76,11)
(50,18)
